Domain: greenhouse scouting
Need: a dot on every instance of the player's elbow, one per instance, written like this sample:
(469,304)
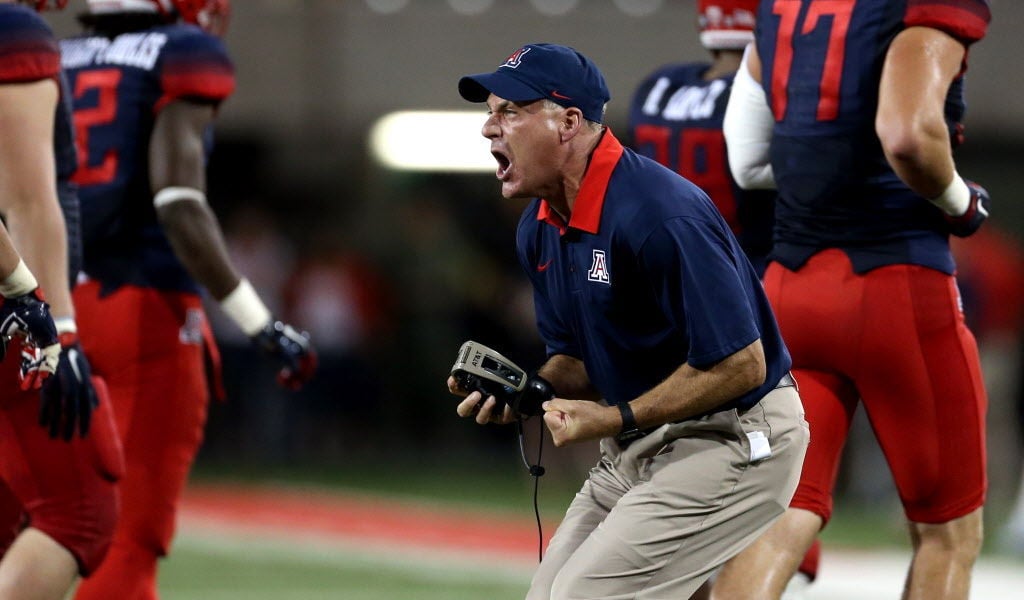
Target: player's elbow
(904,140)
(753,176)
(900,145)
(179,216)
(186,225)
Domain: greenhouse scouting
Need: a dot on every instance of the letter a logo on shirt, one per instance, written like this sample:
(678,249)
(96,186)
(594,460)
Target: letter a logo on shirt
(599,268)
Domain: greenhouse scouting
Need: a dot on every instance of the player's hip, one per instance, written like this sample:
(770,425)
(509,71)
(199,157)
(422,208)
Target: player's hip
(831,316)
(135,324)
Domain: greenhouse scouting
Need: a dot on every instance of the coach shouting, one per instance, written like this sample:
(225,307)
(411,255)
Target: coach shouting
(644,299)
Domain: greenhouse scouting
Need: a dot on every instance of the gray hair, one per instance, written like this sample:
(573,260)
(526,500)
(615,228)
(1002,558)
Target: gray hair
(592,125)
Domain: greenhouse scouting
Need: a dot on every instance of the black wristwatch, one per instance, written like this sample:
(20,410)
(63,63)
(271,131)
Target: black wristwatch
(629,431)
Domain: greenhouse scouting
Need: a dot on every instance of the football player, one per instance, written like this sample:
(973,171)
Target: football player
(147,78)
(676,119)
(58,500)
(852,109)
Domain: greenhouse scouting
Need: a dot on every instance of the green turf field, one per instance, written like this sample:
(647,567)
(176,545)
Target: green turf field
(213,565)
(206,568)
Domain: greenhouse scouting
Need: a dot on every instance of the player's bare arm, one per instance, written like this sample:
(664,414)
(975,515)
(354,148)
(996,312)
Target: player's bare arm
(178,177)
(11,109)
(685,393)
(177,161)
(919,67)
(28,193)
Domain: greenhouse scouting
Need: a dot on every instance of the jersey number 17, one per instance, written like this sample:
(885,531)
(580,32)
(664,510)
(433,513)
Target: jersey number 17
(790,23)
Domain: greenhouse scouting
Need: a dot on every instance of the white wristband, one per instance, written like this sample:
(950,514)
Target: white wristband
(20,282)
(245,308)
(955,199)
(65,325)
(169,195)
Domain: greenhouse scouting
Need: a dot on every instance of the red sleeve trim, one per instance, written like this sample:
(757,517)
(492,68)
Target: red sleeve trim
(965,20)
(214,86)
(22,67)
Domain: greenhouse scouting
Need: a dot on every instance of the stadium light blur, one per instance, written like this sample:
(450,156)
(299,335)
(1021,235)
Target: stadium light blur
(439,141)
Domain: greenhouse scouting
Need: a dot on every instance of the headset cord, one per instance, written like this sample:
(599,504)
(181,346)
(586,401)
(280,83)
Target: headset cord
(536,471)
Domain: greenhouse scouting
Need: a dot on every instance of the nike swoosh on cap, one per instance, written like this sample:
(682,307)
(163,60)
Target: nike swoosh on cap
(560,96)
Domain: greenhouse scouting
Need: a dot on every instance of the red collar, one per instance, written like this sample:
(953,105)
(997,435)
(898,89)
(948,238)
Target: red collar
(586,212)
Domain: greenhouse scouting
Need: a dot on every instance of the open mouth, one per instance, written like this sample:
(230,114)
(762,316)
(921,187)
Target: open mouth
(503,163)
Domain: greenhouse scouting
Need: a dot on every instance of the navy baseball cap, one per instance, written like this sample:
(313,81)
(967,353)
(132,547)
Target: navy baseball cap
(548,71)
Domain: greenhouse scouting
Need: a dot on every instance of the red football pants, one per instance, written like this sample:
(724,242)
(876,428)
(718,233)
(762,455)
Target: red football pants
(895,339)
(66,489)
(148,346)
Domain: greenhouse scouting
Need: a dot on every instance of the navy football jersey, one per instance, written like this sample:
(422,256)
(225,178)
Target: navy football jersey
(822,64)
(676,119)
(119,86)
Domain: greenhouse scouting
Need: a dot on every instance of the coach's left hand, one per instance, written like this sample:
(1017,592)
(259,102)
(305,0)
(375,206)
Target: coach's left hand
(579,420)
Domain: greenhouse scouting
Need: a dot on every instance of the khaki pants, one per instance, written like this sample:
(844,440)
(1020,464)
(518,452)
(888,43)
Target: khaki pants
(653,521)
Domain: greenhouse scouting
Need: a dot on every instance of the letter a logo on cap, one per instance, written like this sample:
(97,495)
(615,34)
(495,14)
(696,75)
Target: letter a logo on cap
(516,59)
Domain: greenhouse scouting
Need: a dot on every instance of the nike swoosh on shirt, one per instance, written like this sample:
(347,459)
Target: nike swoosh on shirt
(544,267)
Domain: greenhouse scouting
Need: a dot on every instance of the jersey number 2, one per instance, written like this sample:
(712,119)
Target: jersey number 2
(788,12)
(105,82)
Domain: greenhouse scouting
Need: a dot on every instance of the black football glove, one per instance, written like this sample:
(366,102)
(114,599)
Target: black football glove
(28,316)
(977,211)
(291,349)
(68,398)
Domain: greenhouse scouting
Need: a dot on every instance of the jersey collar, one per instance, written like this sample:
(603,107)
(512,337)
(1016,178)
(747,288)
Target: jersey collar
(586,212)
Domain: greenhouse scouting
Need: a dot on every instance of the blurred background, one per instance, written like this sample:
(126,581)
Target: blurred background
(391,270)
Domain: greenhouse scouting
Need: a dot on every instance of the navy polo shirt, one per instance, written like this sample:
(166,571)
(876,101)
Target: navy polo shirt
(645,276)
